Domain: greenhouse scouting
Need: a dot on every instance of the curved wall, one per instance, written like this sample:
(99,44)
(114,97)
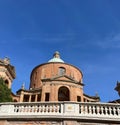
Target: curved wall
(51,70)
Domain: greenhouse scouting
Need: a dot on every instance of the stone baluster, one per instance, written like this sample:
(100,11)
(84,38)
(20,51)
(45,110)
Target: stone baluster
(93,109)
(43,108)
(106,110)
(98,110)
(33,108)
(102,112)
(25,108)
(109,110)
(46,108)
(90,109)
(40,108)
(114,110)
(51,108)
(58,107)
(118,109)
(29,108)
(20,108)
(82,109)
(61,108)
(36,109)
(16,109)
(86,112)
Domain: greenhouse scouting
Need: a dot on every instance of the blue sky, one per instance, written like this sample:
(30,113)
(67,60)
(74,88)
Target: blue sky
(85,32)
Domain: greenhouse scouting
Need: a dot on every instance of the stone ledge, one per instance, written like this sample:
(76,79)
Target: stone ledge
(58,117)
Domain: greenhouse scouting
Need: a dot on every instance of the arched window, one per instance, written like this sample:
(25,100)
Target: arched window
(63,94)
(61,71)
(6,82)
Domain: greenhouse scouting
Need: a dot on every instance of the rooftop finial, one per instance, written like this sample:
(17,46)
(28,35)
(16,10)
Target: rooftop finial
(23,86)
(6,60)
(56,58)
(56,54)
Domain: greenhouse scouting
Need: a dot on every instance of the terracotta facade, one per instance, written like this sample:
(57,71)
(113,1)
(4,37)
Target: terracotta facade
(55,81)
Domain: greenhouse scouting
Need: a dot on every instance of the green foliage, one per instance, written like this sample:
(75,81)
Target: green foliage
(5,92)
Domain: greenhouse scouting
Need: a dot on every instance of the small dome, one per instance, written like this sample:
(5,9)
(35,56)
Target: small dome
(56,58)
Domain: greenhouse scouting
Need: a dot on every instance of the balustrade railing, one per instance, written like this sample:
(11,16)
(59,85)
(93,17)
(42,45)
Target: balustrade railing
(30,108)
(62,109)
(101,109)
(37,108)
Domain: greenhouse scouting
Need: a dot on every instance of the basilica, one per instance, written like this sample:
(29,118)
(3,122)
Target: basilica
(55,96)
(54,80)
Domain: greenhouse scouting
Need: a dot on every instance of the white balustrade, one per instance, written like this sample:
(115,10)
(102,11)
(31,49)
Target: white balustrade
(101,109)
(36,108)
(63,109)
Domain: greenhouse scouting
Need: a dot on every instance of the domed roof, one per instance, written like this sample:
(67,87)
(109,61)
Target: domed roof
(56,58)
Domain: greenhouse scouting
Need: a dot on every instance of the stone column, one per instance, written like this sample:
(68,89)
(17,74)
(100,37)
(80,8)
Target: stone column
(29,98)
(36,97)
(72,94)
(52,93)
(21,96)
(56,93)
(43,94)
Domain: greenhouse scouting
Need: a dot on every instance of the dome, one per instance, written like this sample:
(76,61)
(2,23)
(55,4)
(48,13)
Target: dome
(56,58)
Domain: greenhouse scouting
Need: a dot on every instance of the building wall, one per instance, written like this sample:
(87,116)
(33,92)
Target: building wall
(53,89)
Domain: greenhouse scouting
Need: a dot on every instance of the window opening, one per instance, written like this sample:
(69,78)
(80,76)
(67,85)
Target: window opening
(39,97)
(78,98)
(62,70)
(26,98)
(6,82)
(47,95)
(63,94)
(33,98)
